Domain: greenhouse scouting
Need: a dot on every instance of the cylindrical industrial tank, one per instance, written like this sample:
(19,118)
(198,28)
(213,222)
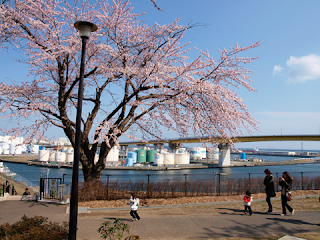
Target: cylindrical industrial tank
(168,158)
(242,156)
(158,159)
(64,149)
(5,148)
(18,150)
(197,152)
(182,158)
(52,156)
(69,157)
(181,150)
(129,162)
(141,155)
(150,155)
(113,155)
(43,155)
(60,157)
(70,150)
(12,148)
(204,152)
(1,150)
(213,154)
(133,155)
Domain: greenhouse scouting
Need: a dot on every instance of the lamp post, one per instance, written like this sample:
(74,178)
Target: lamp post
(85,29)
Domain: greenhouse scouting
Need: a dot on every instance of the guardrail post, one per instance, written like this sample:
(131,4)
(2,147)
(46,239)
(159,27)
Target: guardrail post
(108,186)
(185,184)
(148,186)
(63,178)
(302,188)
(277,182)
(219,184)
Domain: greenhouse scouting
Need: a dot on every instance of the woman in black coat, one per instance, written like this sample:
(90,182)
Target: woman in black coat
(269,183)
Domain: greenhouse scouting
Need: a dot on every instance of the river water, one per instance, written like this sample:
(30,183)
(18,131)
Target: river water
(33,173)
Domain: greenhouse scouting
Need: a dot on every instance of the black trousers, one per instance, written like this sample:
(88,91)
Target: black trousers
(134,214)
(268,199)
(247,208)
(285,205)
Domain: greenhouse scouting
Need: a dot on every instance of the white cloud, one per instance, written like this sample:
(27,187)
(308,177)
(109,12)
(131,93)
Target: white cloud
(277,69)
(303,68)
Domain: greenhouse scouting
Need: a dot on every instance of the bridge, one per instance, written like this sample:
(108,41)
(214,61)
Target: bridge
(236,139)
(224,147)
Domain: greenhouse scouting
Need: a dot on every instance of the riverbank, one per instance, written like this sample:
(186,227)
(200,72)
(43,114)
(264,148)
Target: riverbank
(18,186)
(33,160)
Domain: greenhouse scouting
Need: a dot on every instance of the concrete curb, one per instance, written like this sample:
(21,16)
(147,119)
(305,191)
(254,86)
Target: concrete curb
(4,197)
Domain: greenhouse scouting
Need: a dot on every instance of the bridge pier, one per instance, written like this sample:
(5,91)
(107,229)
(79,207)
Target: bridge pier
(174,146)
(224,157)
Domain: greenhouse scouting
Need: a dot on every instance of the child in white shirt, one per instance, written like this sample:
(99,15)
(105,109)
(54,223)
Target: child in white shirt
(134,202)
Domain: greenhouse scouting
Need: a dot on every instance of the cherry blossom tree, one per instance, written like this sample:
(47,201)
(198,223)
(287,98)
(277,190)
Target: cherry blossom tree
(139,79)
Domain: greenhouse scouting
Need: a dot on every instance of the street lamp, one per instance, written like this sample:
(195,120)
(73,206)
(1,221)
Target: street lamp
(85,29)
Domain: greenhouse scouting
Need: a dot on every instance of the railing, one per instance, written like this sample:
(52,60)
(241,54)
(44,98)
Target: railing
(186,185)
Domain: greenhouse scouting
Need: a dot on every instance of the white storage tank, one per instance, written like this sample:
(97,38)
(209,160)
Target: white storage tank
(113,155)
(64,149)
(18,150)
(43,156)
(168,158)
(1,150)
(182,158)
(158,159)
(60,157)
(181,150)
(52,156)
(197,152)
(15,149)
(70,150)
(12,149)
(69,157)
(213,154)
(5,148)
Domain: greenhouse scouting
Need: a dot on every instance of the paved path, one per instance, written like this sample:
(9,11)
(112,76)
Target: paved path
(170,227)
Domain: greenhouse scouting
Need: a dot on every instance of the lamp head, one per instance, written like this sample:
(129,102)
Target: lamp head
(85,28)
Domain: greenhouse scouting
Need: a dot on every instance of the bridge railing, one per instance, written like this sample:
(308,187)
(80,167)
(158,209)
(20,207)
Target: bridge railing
(189,185)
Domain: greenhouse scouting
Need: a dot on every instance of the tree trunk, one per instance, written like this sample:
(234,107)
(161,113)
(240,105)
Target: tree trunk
(91,172)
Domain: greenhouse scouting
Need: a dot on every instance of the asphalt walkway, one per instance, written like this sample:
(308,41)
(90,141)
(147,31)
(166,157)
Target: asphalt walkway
(153,226)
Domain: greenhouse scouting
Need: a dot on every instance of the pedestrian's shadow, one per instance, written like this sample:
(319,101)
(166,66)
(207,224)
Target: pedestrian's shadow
(237,211)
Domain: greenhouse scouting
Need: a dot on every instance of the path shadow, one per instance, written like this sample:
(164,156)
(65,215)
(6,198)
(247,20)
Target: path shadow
(114,218)
(293,221)
(45,204)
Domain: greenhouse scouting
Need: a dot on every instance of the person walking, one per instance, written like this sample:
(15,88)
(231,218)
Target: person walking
(269,183)
(134,202)
(286,184)
(7,186)
(247,199)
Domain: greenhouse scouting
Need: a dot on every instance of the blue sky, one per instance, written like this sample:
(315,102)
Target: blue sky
(286,75)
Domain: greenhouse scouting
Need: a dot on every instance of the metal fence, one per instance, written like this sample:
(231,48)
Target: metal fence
(187,185)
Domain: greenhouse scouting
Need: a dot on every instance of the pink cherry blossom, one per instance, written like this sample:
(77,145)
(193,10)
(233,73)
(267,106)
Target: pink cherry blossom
(139,80)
